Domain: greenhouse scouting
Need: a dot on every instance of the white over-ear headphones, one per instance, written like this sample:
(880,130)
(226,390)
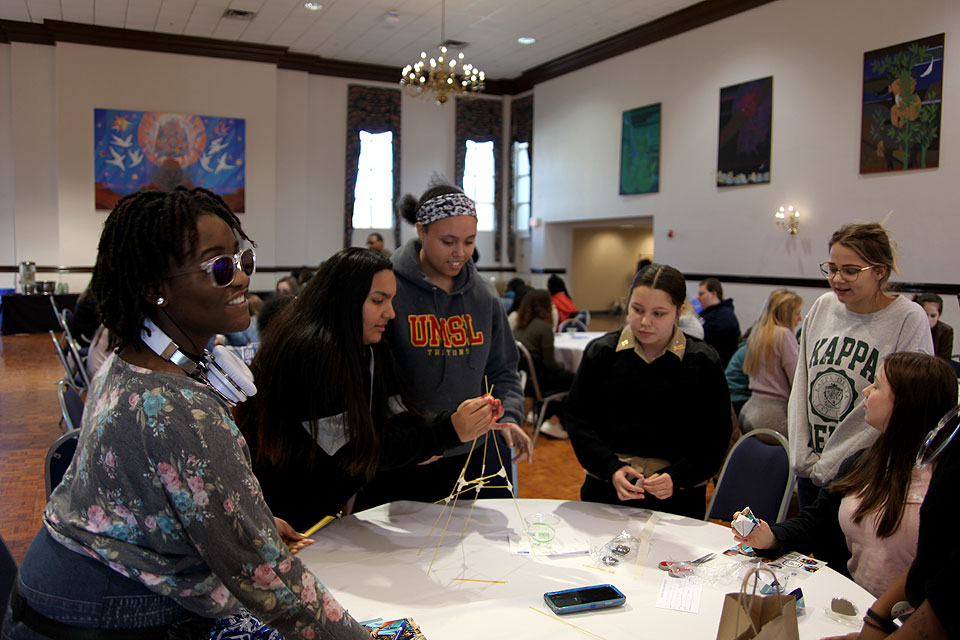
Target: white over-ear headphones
(223,371)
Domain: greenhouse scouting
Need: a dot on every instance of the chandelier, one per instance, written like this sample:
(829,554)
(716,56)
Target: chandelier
(442,73)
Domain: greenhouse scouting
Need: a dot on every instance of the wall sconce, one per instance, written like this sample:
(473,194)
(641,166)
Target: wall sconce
(788,218)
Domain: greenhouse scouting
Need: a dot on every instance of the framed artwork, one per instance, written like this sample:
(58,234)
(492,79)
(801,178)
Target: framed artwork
(136,150)
(640,150)
(902,90)
(746,117)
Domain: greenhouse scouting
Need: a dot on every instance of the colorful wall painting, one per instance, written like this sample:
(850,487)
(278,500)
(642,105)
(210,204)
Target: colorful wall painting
(157,150)
(902,91)
(640,150)
(746,116)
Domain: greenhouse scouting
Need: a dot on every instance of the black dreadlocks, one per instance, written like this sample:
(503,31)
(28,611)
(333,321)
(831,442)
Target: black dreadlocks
(145,233)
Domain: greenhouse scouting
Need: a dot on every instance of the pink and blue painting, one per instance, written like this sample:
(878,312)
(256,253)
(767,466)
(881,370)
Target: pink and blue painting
(158,150)
(746,116)
(902,93)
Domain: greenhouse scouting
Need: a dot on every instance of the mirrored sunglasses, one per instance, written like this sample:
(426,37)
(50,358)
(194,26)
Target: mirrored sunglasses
(223,269)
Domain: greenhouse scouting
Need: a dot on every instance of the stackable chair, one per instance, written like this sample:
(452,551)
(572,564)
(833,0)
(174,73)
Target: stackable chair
(756,474)
(59,456)
(572,324)
(71,405)
(583,316)
(540,401)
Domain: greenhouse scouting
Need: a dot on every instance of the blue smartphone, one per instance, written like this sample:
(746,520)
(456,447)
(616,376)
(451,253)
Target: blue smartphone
(601,596)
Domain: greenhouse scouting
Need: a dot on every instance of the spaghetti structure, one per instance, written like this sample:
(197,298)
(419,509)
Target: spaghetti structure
(464,486)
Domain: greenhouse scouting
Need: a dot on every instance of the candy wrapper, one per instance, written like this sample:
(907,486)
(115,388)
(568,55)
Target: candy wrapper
(616,552)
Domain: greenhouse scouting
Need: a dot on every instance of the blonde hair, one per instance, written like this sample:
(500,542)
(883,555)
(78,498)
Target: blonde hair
(780,310)
(871,241)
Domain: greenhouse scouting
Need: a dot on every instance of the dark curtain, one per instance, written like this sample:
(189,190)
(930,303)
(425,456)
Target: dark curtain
(376,110)
(521,130)
(482,121)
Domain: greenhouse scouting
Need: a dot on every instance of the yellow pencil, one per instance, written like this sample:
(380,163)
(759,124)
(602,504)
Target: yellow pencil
(320,525)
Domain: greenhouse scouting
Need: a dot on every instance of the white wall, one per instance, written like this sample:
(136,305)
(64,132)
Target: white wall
(814,51)
(296,138)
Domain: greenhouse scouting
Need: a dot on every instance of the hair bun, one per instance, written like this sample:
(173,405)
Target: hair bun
(408,208)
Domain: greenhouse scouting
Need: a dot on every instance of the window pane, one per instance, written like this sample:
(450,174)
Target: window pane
(479,181)
(523,189)
(522,161)
(523,217)
(373,194)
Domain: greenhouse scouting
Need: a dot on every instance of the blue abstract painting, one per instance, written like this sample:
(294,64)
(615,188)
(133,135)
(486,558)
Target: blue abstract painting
(136,150)
(640,150)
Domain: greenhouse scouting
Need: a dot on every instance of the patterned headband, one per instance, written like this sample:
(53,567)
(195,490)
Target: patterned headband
(444,206)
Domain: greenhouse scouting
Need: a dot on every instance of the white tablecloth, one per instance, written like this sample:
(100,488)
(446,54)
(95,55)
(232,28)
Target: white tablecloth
(370,561)
(568,347)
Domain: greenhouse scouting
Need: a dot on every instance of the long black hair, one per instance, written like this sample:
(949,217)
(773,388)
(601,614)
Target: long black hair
(145,234)
(312,364)
(924,388)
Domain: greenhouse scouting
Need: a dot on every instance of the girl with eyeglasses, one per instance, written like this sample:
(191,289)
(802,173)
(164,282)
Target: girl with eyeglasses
(330,408)
(159,528)
(844,338)
(867,520)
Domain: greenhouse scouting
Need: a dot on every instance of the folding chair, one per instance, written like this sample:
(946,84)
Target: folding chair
(71,405)
(76,353)
(71,375)
(58,459)
(538,397)
(756,474)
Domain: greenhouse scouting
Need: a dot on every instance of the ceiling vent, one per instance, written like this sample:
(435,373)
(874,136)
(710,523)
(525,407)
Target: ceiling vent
(239,14)
(456,44)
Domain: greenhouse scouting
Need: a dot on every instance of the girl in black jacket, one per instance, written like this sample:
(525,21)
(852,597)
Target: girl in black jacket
(627,412)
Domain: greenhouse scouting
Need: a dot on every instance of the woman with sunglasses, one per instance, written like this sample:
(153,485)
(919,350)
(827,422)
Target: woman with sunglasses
(329,409)
(844,338)
(159,528)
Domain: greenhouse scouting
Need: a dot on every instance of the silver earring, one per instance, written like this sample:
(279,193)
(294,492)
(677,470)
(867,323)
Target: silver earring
(161,301)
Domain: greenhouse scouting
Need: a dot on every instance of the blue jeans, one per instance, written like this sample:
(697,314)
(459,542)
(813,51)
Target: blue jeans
(82,592)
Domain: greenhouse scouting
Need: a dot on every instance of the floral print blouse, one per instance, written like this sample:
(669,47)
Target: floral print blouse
(161,490)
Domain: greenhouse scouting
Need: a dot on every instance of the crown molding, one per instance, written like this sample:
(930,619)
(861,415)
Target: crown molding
(688,19)
(52,31)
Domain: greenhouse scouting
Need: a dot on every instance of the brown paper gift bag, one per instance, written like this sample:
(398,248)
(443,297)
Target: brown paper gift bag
(749,616)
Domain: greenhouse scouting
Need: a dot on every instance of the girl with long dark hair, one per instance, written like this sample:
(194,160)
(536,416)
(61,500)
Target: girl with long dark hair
(866,521)
(330,409)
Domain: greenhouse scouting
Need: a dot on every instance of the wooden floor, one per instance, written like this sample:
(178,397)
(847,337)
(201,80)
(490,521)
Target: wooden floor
(29,423)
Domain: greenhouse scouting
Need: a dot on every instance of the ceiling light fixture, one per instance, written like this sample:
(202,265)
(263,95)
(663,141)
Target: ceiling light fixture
(527,40)
(312,6)
(439,73)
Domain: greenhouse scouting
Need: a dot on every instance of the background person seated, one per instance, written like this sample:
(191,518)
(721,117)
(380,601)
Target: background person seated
(721,329)
(561,298)
(535,332)
(867,521)
(941,332)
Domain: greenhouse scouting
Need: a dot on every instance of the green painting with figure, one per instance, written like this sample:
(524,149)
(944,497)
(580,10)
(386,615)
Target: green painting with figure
(640,150)
(902,92)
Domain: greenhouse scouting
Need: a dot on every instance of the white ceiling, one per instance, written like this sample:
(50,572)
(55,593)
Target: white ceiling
(356,30)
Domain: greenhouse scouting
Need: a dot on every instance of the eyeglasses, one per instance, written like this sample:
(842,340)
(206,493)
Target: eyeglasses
(223,269)
(847,272)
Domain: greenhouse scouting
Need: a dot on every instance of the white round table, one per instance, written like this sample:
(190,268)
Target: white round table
(568,347)
(479,588)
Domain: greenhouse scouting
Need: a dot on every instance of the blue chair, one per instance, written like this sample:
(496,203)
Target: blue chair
(583,316)
(572,324)
(756,474)
(59,456)
(71,405)
(539,400)
(8,572)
